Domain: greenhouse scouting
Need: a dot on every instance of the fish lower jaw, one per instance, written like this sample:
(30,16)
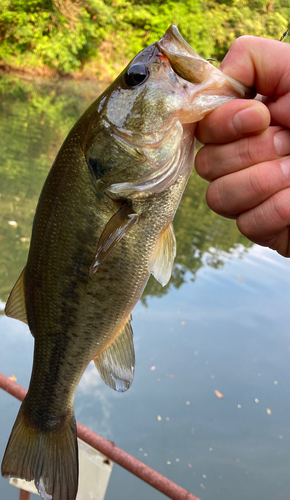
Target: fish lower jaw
(202,105)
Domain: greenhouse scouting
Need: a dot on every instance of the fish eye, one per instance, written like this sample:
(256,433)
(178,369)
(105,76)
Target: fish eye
(136,74)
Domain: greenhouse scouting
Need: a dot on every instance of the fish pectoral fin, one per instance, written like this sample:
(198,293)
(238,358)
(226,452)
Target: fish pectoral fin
(161,261)
(15,305)
(118,226)
(116,364)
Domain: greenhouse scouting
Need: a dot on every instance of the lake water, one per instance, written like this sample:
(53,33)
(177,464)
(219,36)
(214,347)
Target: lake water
(221,324)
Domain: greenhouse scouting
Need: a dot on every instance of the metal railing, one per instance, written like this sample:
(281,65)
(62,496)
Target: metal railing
(108,448)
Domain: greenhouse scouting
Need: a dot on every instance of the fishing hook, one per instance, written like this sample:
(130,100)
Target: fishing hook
(284,35)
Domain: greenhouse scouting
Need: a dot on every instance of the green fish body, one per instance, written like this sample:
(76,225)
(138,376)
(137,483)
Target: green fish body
(102,225)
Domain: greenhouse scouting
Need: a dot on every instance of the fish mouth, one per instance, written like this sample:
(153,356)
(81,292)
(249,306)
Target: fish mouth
(193,68)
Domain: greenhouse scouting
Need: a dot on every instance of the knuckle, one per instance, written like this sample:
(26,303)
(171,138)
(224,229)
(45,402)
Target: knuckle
(241,43)
(247,224)
(214,198)
(203,163)
(244,153)
(265,223)
(261,181)
(256,185)
(281,206)
(253,150)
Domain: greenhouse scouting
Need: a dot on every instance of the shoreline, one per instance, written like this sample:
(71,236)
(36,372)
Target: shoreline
(53,76)
(83,87)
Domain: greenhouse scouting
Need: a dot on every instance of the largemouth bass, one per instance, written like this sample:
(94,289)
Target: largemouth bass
(104,223)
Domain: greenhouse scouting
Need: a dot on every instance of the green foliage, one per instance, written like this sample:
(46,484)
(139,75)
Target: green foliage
(234,18)
(145,22)
(44,33)
(65,35)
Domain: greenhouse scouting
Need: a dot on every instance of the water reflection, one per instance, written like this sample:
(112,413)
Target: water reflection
(34,121)
(226,328)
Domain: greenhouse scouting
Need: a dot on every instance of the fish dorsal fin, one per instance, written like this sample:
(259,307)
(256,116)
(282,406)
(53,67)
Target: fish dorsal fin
(15,306)
(117,363)
(161,261)
(118,226)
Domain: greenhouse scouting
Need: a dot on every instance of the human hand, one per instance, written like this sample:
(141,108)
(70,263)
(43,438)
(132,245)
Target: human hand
(246,156)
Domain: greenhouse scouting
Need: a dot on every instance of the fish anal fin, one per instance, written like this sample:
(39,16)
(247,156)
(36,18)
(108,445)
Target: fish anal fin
(161,261)
(118,226)
(117,363)
(15,306)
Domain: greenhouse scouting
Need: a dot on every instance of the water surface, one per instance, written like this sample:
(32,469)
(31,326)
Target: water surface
(221,324)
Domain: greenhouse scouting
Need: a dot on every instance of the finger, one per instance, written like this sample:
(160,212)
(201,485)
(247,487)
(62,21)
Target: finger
(263,64)
(235,193)
(214,161)
(232,121)
(268,223)
(260,63)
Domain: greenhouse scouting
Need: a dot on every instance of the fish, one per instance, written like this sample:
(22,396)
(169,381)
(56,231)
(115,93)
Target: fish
(102,225)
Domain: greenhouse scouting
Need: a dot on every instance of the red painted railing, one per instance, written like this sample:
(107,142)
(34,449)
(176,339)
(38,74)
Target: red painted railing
(108,448)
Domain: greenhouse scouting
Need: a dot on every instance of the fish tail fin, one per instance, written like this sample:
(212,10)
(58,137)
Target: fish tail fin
(50,458)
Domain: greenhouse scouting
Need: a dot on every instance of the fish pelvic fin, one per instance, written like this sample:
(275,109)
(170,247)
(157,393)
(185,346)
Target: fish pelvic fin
(116,364)
(161,261)
(15,306)
(50,458)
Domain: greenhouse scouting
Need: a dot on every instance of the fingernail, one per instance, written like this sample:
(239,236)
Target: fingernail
(282,142)
(285,167)
(251,119)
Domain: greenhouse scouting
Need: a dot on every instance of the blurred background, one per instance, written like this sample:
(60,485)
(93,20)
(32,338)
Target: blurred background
(97,38)
(209,407)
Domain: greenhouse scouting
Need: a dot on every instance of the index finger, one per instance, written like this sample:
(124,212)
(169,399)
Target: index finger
(265,65)
(260,63)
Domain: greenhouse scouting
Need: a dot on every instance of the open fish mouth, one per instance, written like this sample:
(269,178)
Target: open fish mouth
(203,88)
(206,89)
(193,68)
